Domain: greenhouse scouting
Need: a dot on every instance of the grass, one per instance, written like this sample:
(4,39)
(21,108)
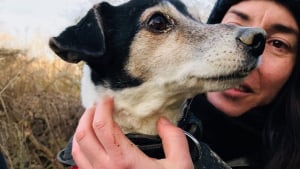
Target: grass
(39,108)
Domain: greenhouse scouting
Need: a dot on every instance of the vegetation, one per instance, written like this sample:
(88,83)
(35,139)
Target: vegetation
(39,108)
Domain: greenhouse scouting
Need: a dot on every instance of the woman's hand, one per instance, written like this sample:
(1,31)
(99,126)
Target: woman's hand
(100,144)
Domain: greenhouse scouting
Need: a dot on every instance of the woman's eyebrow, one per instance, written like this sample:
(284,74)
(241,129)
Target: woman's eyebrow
(284,29)
(276,27)
(239,14)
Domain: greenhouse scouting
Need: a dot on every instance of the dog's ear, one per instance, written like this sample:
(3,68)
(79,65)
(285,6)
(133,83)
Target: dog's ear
(82,41)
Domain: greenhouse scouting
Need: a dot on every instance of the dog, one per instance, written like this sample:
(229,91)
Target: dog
(152,55)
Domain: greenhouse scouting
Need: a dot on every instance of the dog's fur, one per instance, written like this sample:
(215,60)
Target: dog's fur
(151,55)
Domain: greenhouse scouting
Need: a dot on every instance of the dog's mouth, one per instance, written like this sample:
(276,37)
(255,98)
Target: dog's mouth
(233,76)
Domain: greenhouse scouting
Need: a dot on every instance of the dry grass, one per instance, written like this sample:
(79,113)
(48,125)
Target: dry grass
(39,108)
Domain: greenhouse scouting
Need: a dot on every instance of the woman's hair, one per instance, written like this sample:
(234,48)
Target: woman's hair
(281,136)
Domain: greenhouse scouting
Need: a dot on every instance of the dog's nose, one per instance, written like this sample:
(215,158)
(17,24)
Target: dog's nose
(254,39)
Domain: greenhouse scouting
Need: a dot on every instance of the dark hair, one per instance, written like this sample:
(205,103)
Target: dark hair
(281,136)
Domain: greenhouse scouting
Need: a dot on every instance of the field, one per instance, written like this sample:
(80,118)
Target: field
(39,108)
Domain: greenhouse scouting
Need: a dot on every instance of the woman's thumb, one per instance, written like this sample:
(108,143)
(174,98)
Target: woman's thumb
(174,141)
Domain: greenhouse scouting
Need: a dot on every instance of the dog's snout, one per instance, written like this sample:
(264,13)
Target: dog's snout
(254,39)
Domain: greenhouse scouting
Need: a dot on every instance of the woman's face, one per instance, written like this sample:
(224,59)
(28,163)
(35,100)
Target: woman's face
(277,62)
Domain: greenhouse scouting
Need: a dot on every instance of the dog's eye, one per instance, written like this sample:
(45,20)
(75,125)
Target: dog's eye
(158,23)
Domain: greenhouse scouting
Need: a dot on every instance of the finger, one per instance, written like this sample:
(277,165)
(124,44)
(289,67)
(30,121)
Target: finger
(79,158)
(84,136)
(120,150)
(174,143)
(106,130)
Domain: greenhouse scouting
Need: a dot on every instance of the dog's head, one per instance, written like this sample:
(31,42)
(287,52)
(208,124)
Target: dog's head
(143,40)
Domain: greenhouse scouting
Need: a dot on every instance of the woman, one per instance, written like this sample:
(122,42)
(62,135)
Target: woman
(254,125)
(271,89)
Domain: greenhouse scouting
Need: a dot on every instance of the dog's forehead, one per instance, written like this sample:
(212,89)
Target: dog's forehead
(189,8)
(181,6)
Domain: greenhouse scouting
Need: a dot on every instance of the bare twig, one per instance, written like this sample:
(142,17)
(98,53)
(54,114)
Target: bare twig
(42,148)
(13,79)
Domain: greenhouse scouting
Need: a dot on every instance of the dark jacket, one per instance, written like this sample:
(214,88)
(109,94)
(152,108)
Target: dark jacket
(237,140)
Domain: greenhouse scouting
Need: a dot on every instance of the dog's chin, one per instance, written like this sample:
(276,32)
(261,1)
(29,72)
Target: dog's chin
(223,82)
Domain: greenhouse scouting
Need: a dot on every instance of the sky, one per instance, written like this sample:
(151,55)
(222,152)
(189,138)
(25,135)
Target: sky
(30,23)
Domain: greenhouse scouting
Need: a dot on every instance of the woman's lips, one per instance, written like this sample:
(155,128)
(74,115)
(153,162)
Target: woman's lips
(239,91)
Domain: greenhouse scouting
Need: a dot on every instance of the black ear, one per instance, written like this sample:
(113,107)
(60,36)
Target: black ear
(82,41)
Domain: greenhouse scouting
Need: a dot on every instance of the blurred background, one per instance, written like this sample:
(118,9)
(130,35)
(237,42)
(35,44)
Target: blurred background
(39,93)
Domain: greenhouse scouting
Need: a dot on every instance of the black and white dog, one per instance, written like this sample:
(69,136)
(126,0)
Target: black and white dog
(151,55)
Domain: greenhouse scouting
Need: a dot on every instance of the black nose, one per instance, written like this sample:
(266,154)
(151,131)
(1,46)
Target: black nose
(254,39)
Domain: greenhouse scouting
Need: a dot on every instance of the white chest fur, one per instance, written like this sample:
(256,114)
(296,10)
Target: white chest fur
(137,109)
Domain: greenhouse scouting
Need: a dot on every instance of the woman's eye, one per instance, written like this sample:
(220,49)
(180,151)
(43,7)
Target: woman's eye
(158,23)
(278,47)
(279,44)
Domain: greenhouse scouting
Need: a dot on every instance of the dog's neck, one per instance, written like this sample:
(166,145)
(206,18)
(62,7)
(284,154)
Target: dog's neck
(141,107)
(137,109)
